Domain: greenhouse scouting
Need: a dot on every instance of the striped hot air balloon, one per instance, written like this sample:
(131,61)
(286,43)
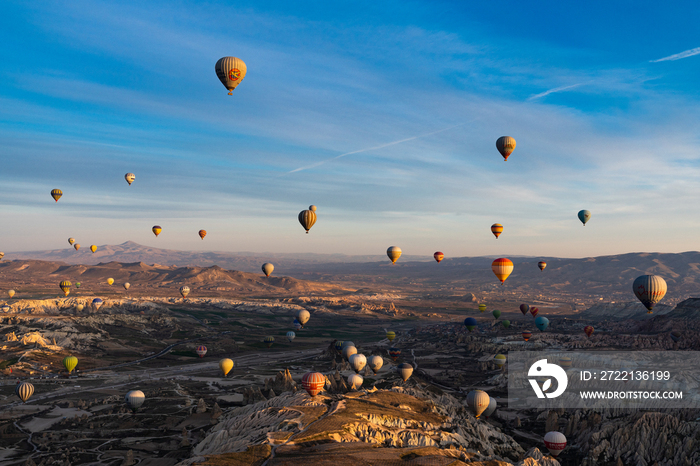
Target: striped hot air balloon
(202,233)
(502,268)
(56,194)
(291,336)
(24,391)
(527,335)
(135,399)
(390,335)
(307,218)
(394,353)
(500,360)
(565,361)
(338,346)
(438,256)
(496,229)
(394,252)
(65,287)
(405,370)
(649,289)
(541,265)
(201,351)
(555,443)
(156,230)
(313,382)
(269,341)
(506,146)
(230,71)
(534,311)
(184,291)
(482,307)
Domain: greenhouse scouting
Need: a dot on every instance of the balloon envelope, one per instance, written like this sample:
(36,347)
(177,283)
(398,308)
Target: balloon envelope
(24,391)
(506,323)
(10,293)
(156,230)
(69,362)
(438,256)
(470,323)
(201,351)
(502,268)
(405,370)
(524,308)
(394,252)
(93,248)
(355,381)
(584,216)
(135,399)
(357,362)
(269,341)
(71,241)
(506,146)
(500,360)
(267,268)
(482,307)
(226,365)
(527,335)
(184,291)
(534,311)
(303,317)
(478,401)
(496,313)
(126,285)
(56,194)
(307,218)
(230,71)
(541,265)
(390,335)
(542,323)
(491,408)
(348,351)
(313,382)
(129,177)
(202,233)
(76,246)
(110,281)
(394,353)
(291,336)
(649,289)
(496,229)
(65,287)
(375,363)
(97,303)
(588,330)
(676,335)
(555,442)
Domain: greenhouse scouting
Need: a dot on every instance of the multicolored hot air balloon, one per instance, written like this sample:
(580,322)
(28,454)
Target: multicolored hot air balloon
(394,353)
(269,341)
(375,363)
(201,351)
(496,314)
(71,241)
(110,281)
(565,361)
(555,443)
(534,311)
(225,365)
(438,256)
(390,335)
(97,303)
(405,370)
(56,194)
(470,323)
(527,335)
(542,323)
(291,336)
(355,381)
(202,233)
(649,289)
(496,229)
(478,401)
(156,230)
(357,362)
(267,268)
(394,252)
(541,265)
(506,146)
(338,345)
(307,218)
(588,330)
(313,382)
(69,362)
(76,246)
(584,216)
(482,307)
(135,399)
(93,248)
(129,177)
(24,391)
(65,287)
(230,71)
(500,360)
(524,308)
(303,317)
(184,291)
(502,268)
(10,293)
(297,325)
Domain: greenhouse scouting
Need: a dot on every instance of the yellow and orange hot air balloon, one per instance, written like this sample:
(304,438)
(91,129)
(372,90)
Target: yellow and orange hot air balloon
(76,246)
(541,265)
(56,194)
(156,230)
(93,248)
(394,252)
(65,287)
(202,233)
(502,268)
(506,146)
(438,256)
(496,229)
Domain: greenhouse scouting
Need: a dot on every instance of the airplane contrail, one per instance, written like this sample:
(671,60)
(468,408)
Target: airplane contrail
(556,89)
(374,148)
(678,56)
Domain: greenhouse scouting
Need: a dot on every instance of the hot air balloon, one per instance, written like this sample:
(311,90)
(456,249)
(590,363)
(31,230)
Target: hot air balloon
(355,381)
(56,194)
(347,343)
(502,268)
(269,341)
(156,230)
(405,370)
(394,353)
(312,208)
(496,314)
(184,291)
(303,317)
(10,293)
(24,391)
(202,233)
(129,177)
(338,346)
(77,284)
(526,335)
(482,307)
(65,287)
(390,335)
(202,351)
(93,248)
(97,303)
(110,281)
(676,336)
(565,361)
(438,256)
(313,382)
(69,362)
(5,308)
(375,363)
(297,324)
(534,311)
(290,336)
(76,246)
(500,360)
(267,269)
(506,323)
(348,351)
(584,216)
(135,399)
(541,265)
(524,308)
(126,286)
(225,365)
(71,241)
(394,252)
(496,229)
(555,443)
(505,145)
(649,289)
(542,323)
(307,218)
(231,71)
(2,254)
(491,408)
(357,362)
(478,401)
(588,330)
(470,323)
(79,308)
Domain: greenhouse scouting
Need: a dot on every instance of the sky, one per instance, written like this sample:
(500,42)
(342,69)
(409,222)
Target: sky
(382,114)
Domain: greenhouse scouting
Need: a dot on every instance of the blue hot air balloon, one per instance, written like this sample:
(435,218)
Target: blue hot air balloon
(542,322)
(584,216)
(470,323)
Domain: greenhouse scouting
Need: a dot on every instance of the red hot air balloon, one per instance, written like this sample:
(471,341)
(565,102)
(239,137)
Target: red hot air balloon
(534,311)
(313,382)
(438,256)
(524,308)
(588,330)
(526,335)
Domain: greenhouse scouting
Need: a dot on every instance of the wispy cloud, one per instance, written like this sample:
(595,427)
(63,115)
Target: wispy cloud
(678,56)
(552,91)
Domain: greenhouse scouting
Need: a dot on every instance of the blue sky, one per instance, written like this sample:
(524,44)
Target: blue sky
(602,100)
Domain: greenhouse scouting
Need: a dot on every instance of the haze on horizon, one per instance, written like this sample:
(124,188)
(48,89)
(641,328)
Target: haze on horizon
(385,116)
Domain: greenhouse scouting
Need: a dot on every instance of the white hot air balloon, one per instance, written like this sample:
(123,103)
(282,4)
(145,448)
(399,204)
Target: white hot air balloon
(375,363)
(355,381)
(349,351)
(135,399)
(478,401)
(303,317)
(555,442)
(357,362)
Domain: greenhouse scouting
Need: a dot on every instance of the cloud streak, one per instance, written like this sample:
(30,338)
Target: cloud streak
(552,91)
(679,56)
